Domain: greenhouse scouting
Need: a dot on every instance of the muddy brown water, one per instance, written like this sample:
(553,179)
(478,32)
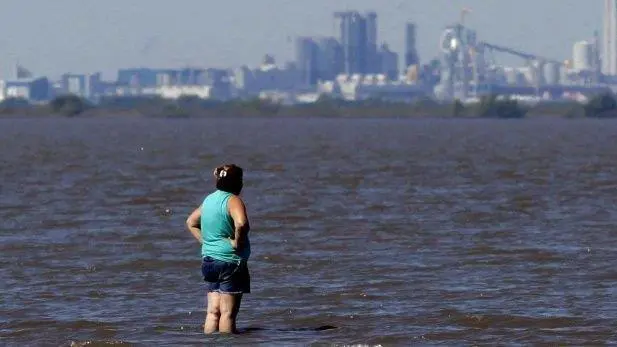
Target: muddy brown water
(364,231)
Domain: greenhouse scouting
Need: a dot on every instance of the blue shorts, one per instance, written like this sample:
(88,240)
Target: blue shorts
(226,278)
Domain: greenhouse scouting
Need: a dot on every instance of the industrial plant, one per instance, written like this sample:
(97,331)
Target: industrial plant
(353,64)
(466,69)
(469,69)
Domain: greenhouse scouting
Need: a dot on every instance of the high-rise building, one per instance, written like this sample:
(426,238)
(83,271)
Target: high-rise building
(330,61)
(343,20)
(358,37)
(307,60)
(372,56)
(360,43)
(389,62)
(411,53)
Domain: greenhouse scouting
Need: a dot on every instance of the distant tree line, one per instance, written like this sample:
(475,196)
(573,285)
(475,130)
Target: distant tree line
(492,106)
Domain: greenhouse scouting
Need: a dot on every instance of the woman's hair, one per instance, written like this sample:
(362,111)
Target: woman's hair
(229,178)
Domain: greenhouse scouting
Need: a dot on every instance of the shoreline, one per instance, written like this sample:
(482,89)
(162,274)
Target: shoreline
(491,107)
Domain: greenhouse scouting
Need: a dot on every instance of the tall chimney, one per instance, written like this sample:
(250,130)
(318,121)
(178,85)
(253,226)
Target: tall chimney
(606,37)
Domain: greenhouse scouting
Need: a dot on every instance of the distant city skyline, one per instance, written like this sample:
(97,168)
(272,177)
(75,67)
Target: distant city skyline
(50,38)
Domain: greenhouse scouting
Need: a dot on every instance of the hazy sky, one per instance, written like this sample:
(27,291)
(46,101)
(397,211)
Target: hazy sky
(54,36)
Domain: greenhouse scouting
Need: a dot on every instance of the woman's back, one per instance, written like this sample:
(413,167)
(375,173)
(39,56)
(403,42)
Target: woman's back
(218,227)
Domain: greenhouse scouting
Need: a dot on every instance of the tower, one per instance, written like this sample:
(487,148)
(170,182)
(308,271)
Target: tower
(330,60)
(609,39)
(372,57)
(306,59)
(346,33)
(358,36)
(411,53)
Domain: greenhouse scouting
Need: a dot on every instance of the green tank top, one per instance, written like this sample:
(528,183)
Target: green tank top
(217,227)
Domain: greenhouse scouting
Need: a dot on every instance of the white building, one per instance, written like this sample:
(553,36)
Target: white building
(31,89)
(176,92)
(582,56)
(361,87)
(83,85)
(268,77)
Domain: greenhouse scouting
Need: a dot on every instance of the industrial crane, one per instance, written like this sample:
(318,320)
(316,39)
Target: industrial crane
(527,56)
(481,46)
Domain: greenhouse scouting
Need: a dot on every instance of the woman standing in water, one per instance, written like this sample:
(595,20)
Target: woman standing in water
(221,225)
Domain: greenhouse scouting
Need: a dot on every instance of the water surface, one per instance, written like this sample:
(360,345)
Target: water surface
(394,231)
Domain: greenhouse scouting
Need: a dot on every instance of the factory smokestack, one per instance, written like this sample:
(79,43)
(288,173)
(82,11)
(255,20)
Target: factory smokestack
(609,39)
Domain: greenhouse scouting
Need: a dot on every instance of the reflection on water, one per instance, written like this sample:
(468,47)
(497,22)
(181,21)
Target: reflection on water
(392,231)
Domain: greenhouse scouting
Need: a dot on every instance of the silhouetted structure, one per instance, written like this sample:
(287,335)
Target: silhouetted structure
(330,60)
(307,54)
(411,52)
(358,37)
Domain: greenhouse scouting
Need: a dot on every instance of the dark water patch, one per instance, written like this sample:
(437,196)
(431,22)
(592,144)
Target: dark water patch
(90,343)
(319,328)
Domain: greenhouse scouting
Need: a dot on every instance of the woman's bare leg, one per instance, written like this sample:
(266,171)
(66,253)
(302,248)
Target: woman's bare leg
(213,313)
(230,306)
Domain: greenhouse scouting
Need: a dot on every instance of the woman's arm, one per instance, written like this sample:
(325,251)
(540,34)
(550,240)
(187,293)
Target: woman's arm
(237,210)
(193,223)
